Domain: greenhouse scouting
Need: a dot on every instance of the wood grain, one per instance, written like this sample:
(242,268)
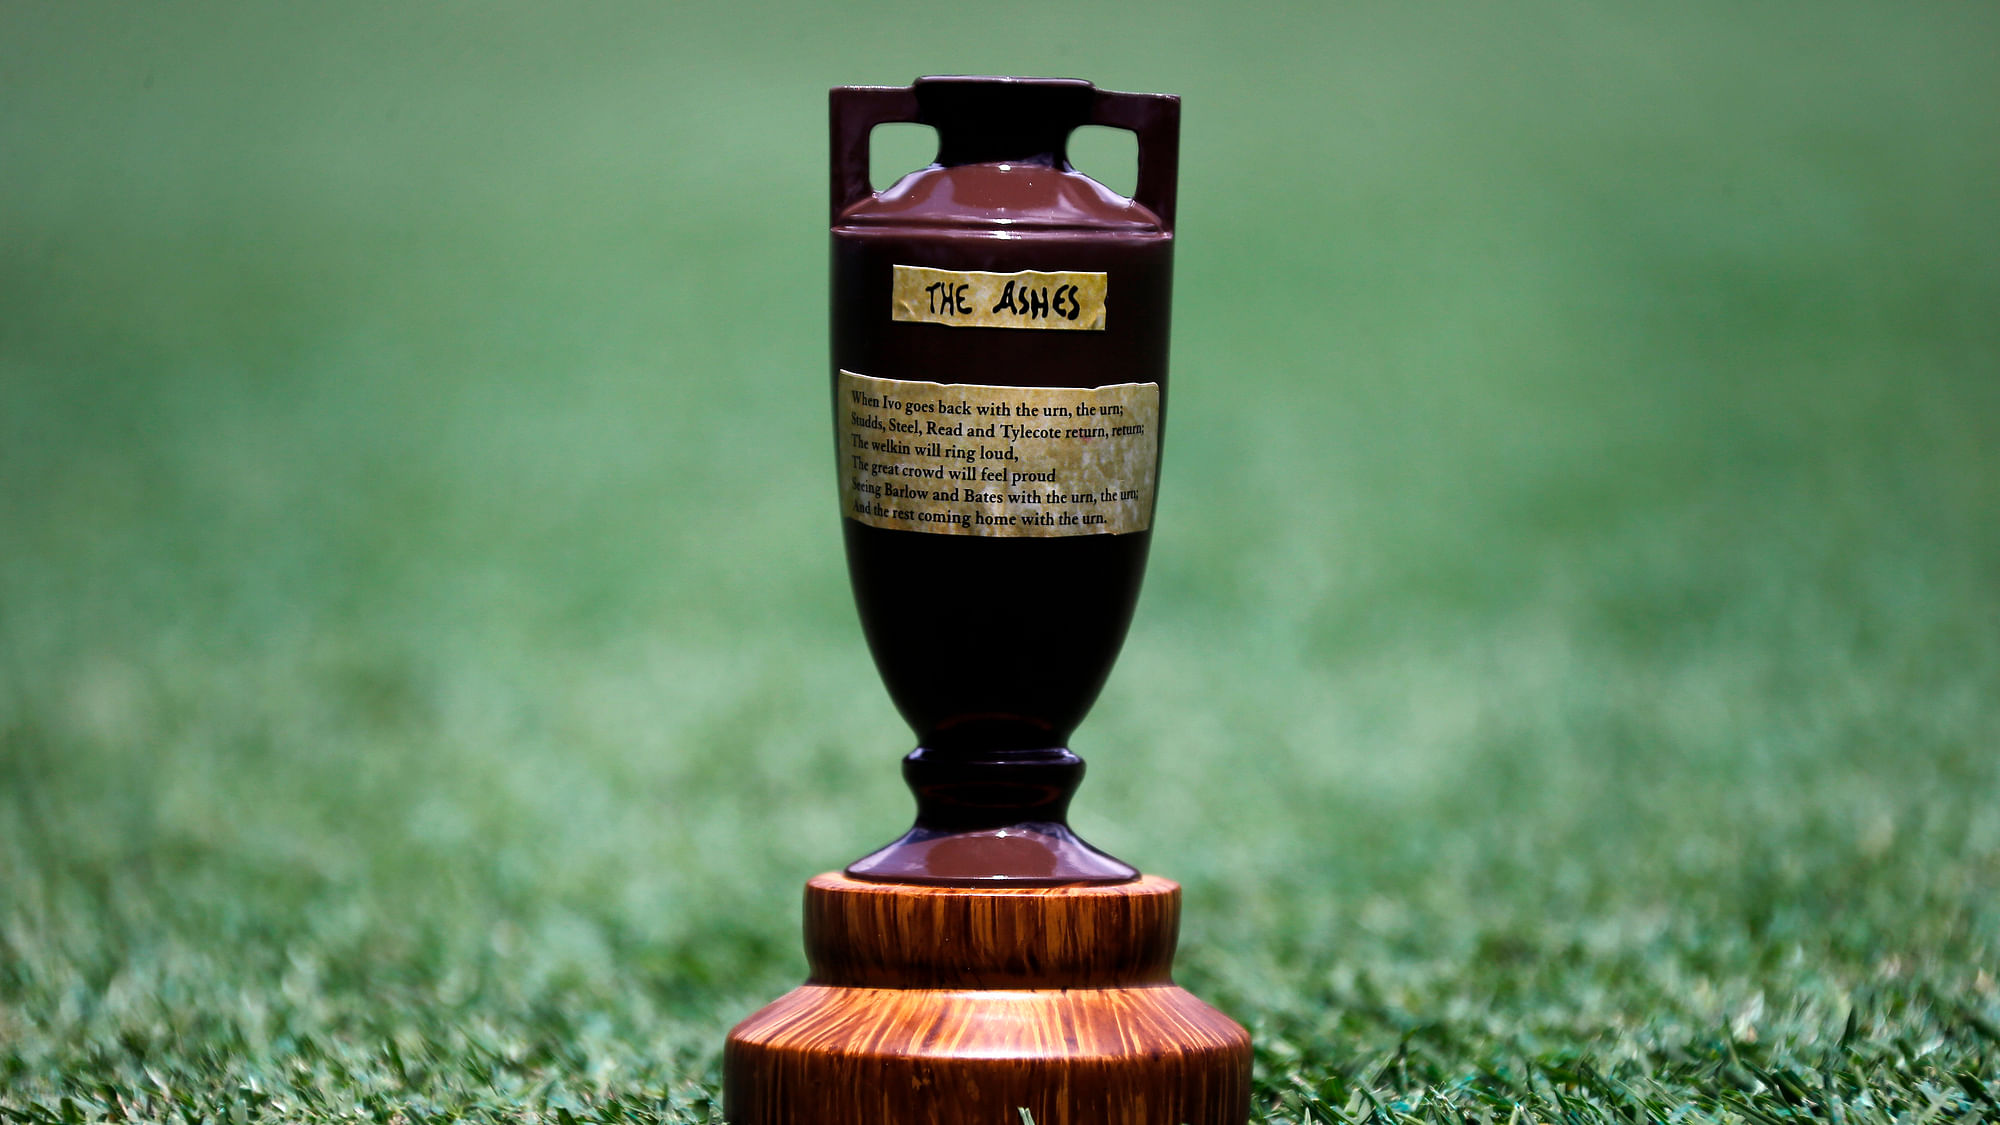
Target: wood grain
(887,935)
(951,1005)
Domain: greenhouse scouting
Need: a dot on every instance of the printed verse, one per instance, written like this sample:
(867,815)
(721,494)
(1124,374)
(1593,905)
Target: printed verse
(961,459)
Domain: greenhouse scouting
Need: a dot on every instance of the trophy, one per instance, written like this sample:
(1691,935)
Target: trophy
(1000,331)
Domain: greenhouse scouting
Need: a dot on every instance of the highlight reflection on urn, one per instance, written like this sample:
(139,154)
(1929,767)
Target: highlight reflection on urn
(999,379)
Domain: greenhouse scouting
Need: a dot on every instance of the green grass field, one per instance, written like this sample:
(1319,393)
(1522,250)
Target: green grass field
(1568,681)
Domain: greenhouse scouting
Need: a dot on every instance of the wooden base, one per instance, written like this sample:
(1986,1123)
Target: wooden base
(946,1005)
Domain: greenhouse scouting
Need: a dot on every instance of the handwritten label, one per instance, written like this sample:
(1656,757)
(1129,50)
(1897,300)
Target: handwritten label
(972,299)
(960,459)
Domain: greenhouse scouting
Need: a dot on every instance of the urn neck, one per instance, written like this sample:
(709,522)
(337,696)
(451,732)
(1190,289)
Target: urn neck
(1004,120)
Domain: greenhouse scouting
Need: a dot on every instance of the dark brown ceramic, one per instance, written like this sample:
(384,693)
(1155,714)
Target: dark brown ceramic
(993,705)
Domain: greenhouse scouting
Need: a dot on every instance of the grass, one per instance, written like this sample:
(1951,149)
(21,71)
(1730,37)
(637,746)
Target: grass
(1568,682)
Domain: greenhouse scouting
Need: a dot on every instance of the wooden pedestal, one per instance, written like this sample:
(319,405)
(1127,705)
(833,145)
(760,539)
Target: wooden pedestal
(947,1005)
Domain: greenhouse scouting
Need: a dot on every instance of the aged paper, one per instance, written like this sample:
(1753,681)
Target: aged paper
(960,459)
(972,299)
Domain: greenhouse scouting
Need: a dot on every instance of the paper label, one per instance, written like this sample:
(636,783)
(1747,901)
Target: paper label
(972,299)
(959,459)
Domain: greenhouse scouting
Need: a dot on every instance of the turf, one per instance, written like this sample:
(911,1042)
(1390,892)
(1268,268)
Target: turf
(1568,683)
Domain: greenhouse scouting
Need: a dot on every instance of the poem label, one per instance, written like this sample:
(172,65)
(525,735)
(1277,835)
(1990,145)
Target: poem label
(973,299)
(959,459)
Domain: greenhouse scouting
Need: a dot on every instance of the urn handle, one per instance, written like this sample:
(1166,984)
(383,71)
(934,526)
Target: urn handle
(1156,119)
(981,118)
(855,111)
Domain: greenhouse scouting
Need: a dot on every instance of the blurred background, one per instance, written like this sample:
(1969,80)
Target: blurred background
(1575,600)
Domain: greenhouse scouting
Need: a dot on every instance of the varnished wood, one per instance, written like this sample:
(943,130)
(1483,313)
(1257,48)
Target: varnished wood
(885,935)
(960,1005)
